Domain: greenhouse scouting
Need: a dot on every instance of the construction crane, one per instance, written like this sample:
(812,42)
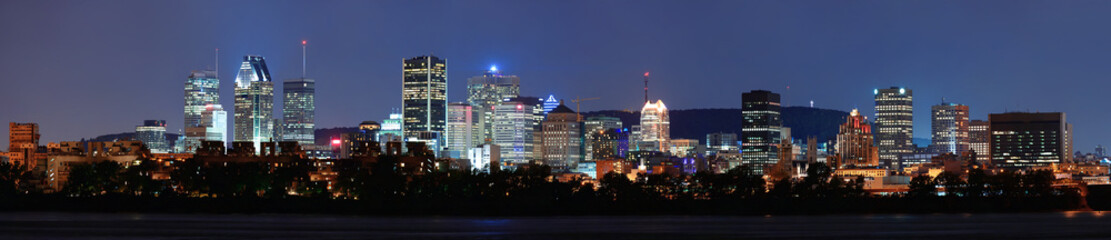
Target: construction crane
(578,100)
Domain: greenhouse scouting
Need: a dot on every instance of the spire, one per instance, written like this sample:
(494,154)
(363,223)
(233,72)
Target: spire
(304,46)
(645,86)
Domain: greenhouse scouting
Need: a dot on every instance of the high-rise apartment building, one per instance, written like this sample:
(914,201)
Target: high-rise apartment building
(561,137)
(254,102)
(202,88)
(894,123)
(1025,140)
(460,130)
(950,125)
(153,134)
(978,137)
(299,111)
(760,131)
(424,95)
(486,91)
(655,126)
(855,146)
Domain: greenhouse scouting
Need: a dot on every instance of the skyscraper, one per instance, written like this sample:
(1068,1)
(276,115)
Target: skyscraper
(254,102)
(593,127)
(486,91)
(894,123)
(655,126)
(424,95)
(561,139)
(202,89)
(950,128)
(460,130)
(550,104)
(391,129)
(299,110)
(514,127)
(760,131)
(1024,140)
(153,134)
(978,137)
(855,145)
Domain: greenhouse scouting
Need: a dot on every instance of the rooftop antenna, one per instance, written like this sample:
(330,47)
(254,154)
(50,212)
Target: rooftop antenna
(646,87)
(217,62)
(304,44)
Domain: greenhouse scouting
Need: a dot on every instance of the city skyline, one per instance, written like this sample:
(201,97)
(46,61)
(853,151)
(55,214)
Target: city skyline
(841,86)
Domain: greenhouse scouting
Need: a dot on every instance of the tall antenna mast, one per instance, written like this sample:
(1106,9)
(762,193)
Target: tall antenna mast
(645,86)
(304,43)
(217,62)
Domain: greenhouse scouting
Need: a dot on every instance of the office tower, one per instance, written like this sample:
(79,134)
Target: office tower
(391,129)
(611,143)
(254,103)
(894,123)
(153,134)
(514,126)
(760,131)
(1025,140)
(460,130)
(215,121)
(950,128)
(592,127)
(721,141)
(202,89)
(978,137)
(550,104)
(655,126)
(485,158)
(486,91)
(23,144)
(855,146)
(561,138)
(683,147)
(299,110)
(424,95)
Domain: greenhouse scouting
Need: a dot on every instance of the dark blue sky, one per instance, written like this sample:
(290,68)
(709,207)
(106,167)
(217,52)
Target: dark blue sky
(85,68)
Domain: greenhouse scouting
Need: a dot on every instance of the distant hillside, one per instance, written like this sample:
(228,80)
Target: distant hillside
(696,123)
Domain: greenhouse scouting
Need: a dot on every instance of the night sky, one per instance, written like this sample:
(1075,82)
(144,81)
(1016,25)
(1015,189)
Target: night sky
(87,68)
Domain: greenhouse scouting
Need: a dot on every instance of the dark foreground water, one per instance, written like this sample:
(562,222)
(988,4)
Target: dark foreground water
(1064,225)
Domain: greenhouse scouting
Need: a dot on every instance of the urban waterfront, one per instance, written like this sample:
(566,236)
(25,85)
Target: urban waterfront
(1063,225)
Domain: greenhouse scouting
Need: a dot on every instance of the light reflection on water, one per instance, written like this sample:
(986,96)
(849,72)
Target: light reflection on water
(1071,224)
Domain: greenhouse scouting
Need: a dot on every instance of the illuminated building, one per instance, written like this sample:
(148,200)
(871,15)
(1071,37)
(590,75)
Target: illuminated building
(760,131)
(655,126)
(683,147)
(23,144)
(153,134)
(213,126)
(894,123)
(67,154)
(460,130)
(855,146)
(361,143)
(391,129)
(486,91)
(424,96)
(721,141)
(299,110)
(1025,140)
(550,104)
(254,102)
(611,143)
(978,136)
(950,128)
(593,126)
(515,124)
(485,158)
(561,138)
(202,88)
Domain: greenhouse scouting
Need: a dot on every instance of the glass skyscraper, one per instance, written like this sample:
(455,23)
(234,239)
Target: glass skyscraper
(950,128)
(894,123)
(424,95)
(760,131)
(202,88)
(254,102)
(153,134)
(299,110)
(486,91)
(655,126)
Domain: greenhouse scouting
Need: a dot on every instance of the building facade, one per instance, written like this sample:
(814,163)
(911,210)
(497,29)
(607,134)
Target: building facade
(760,131)
(460,130)
(202,88)
(254,102)
(655,126)
(153,134)
(424,95)
(561,137)
(592,127)
(486,91)
(721,141)
(299,111)
(894,123)
(1027,140)
(855,143)
(978,137)
(514,128)
(950,125)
